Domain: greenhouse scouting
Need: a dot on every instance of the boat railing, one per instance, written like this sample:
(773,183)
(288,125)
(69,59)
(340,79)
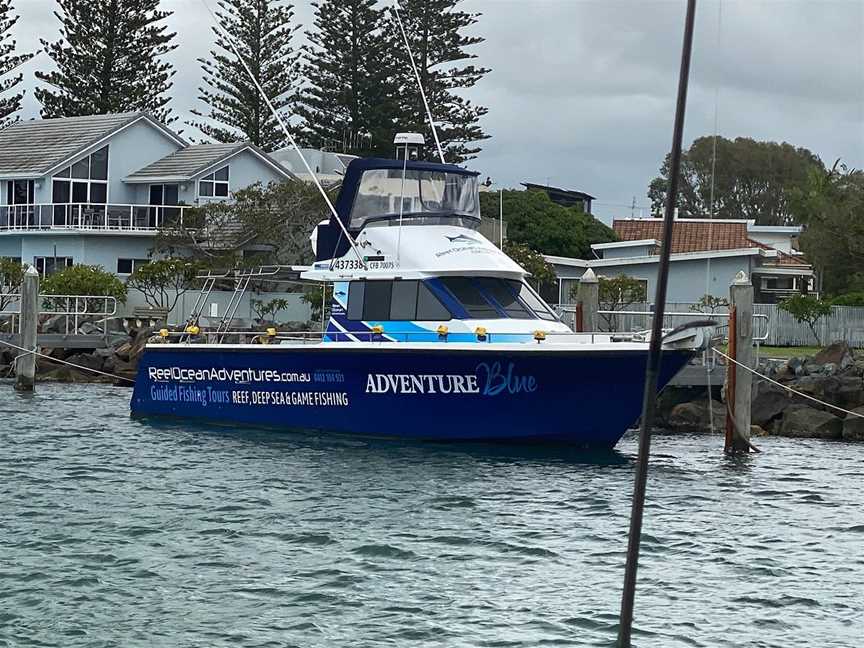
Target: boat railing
(269,336)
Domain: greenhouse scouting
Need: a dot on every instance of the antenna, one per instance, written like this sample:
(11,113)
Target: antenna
(287,132)
(417,77)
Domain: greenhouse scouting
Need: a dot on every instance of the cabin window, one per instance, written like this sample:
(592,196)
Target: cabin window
(214,185)
(385,301)
(469,295)
(422,192)
(505,293)
(527,295)
(497,298)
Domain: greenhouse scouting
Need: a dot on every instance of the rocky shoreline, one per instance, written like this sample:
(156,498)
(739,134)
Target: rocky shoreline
(834,375)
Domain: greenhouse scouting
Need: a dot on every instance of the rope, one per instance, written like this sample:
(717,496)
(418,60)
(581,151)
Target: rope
(65,362)
(789,389)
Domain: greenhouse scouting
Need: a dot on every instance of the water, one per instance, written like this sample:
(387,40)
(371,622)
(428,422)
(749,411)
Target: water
(120,533)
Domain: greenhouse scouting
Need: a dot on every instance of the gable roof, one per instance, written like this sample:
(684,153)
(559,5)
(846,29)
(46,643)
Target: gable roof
(32,149)
(190,162)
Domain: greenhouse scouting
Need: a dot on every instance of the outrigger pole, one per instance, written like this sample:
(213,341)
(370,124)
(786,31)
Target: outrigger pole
(417,77)
(287,132)
(649,399)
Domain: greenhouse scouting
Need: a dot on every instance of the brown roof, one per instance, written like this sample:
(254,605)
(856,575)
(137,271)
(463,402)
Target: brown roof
(687,236)
(699,236)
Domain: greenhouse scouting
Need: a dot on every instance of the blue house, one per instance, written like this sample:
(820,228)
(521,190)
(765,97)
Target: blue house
(96,189)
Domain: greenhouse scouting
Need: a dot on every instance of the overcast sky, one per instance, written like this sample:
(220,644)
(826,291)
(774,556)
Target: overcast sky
(582,92)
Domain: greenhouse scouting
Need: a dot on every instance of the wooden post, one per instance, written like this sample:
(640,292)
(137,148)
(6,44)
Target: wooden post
(588,300)
(741,299)
(25,365)
(730,383)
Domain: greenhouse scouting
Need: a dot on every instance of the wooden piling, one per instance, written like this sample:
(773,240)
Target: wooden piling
(25,365)
(588,301)
(739,389)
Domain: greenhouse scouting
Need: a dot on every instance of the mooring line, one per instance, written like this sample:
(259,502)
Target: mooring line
(65,362)
(789,389)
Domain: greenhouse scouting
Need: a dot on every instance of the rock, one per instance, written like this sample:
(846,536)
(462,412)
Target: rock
(853,426)
(850,393)
(811,368)
(838,354)
(756,431)
(88,360)
(795,365)
(768,402)
(829,369)
(69,374)
(672,396)
(124,373)
(694,417)
(122,351)
(822,387)
(805,422)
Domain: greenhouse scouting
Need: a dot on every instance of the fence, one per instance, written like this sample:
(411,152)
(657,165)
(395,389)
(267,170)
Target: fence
(845,323)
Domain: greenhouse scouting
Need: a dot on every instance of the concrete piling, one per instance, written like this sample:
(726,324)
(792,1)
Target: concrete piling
(25,365)
(739,381)
(587,302)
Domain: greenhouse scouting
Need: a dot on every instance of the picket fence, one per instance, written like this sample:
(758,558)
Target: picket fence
(845,323)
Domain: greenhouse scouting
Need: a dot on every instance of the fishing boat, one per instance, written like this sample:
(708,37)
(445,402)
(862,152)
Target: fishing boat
(434,334)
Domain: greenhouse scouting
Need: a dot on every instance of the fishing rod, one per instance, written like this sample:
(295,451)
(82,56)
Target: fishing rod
(649,399)
(260,89)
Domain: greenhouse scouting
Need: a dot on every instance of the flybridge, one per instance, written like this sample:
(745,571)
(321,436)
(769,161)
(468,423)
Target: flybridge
(393,192)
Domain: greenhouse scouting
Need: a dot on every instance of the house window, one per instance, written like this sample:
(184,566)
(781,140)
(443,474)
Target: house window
(86,181)
(49,265)
(20,192)
(129,266)
(214,185)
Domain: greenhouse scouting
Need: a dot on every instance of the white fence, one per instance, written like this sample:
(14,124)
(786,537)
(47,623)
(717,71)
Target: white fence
(845,323)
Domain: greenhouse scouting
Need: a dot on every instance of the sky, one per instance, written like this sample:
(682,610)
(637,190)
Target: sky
(582,92)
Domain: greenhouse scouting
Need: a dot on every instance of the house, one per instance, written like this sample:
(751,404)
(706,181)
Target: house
(95,189)
(705,257)
(563,197)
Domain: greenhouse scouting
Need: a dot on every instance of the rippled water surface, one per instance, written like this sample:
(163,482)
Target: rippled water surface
(121,533)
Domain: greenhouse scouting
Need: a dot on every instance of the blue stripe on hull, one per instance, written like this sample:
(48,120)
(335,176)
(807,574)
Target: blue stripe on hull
(581,398)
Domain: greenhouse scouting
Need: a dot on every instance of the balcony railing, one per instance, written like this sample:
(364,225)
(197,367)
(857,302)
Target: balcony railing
(91,217)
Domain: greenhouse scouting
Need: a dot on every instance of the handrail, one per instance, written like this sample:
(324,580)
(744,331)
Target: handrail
(90,216)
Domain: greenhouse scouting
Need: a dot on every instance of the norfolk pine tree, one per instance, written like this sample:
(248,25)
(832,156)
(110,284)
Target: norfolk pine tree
(109,59)
(435,29)
(348,102)
(262,31)
(9,62)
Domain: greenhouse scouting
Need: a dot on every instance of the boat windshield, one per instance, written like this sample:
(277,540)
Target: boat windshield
(423,193)
(496,298)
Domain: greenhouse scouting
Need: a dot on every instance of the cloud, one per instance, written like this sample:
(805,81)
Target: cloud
(582,92)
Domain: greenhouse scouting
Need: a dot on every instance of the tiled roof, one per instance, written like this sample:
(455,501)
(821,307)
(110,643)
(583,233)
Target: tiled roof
(699,236)
(187,162)
(687,236)
(32,148)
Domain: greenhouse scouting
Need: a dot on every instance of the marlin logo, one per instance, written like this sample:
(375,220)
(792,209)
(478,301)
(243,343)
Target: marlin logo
(462,239)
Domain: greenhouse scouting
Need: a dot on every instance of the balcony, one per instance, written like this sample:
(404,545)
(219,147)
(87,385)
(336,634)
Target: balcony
(66,217)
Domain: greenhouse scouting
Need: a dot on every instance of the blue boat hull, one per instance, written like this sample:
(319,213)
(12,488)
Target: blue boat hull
(585,398)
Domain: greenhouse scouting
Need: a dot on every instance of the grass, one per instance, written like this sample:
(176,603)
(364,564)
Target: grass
(787,352)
